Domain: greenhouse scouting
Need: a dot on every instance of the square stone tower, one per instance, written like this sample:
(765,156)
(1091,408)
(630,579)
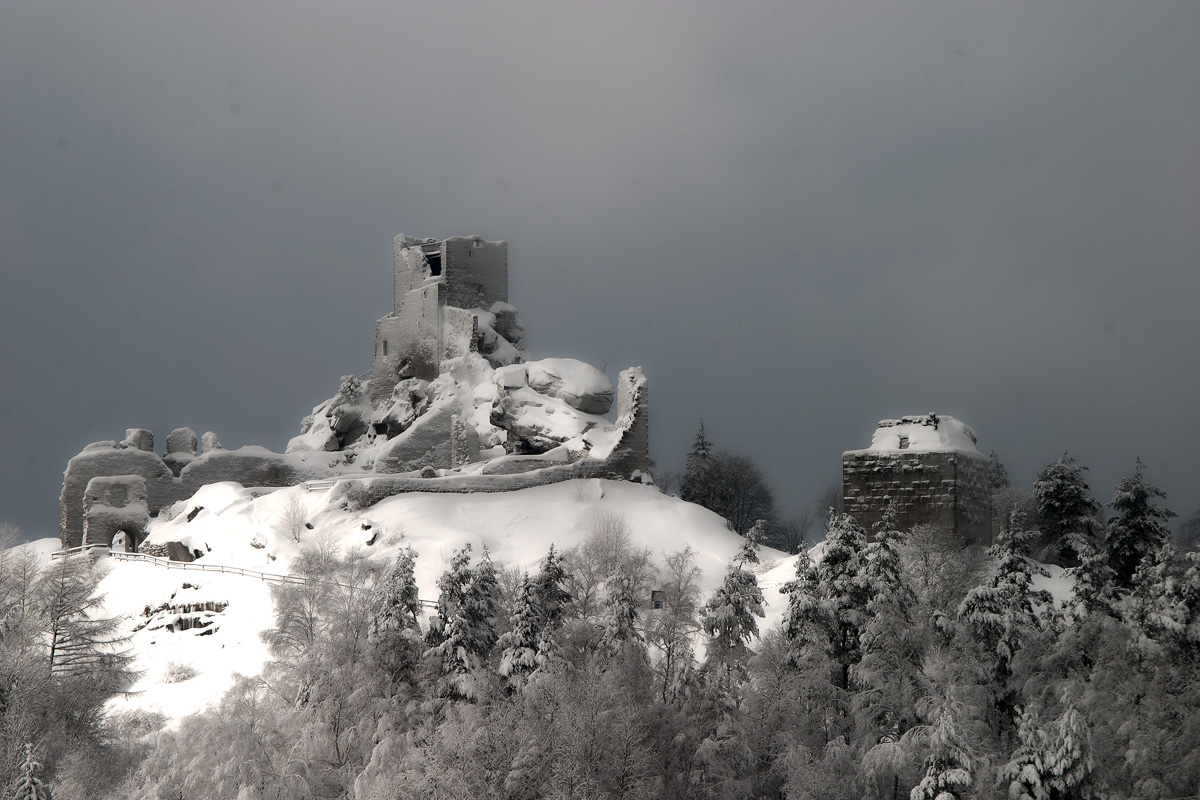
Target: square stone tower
(435,285)
(927,467)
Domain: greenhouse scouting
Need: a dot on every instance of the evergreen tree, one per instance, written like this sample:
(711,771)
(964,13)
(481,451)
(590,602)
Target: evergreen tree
(1067,507)
(697,486)
(728,616)
(1005,613)
(548,592)
(464,631)
(1053,763)
(520,644)
(997,473)
(949,766)
(843,581)
(28,786)
(1136,529)
(1093,590)
(804,621)
(1154,609)
(621,616)
(888,675)
(395,630)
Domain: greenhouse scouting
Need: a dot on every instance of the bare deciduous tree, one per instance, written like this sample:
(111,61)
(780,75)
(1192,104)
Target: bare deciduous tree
(294,517)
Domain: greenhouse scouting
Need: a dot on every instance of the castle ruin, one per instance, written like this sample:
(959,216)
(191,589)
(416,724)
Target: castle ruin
(928,469)
(435,286)
(450,406)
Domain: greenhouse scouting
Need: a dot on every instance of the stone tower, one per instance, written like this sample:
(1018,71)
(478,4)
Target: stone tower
(927,467)
(436,283)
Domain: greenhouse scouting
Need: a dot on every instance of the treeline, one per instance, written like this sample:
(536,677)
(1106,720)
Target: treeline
(60,662)
(905,666)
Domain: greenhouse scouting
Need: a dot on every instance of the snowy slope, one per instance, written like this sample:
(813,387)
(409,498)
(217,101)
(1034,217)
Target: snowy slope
(516,527)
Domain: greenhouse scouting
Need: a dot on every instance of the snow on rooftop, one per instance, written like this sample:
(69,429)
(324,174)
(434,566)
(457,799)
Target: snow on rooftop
(930,433)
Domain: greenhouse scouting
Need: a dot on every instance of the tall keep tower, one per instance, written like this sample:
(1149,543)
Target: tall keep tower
(436,283)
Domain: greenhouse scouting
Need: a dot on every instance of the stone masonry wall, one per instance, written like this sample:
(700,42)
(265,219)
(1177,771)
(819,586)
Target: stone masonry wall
(938,489)
(253,467)
(973,511)
(921,485)
(632,452)
(413,333)
(475,271)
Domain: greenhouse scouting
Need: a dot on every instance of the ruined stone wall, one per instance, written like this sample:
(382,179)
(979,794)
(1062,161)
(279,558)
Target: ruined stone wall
(106,459)
(412,333)
(460,331)
(973,511)
(941,489)
(409,269)
(632,452)
(249,467)
(921,485)
(475,272)
(112,504)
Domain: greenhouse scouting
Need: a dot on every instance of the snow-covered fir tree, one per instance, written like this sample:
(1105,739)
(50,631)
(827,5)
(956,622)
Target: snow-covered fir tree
(1137,527)
(395,630)
(28,785)
(1066,505)
(620,615)
(949,765)
(804,621)
(697,485)
(842,575)
(888,674)
(1052,762)
(464,630)
(728,616)
(1006,612)
(1154,609)
(519,645)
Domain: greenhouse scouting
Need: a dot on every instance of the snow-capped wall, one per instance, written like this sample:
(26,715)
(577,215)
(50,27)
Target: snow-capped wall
(926,467)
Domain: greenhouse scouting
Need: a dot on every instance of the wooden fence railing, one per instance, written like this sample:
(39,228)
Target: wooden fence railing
(166,563)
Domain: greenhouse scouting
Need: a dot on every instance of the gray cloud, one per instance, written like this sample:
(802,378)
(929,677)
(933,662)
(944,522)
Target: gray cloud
(800,218)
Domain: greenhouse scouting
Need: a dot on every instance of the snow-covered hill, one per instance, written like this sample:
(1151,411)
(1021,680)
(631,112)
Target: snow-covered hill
(185,670)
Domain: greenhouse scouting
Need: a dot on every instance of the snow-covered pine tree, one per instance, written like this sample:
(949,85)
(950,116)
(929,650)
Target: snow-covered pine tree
(464,630)
(1155,610)
(620,617)
(697,486)
(1093,590)
(1066,505)
(549,594)
(805,622)
(28,785)
(399,606)
(1189,593)
(1136,529)
(997,473)
(79,645)
(483,604)
(949,765)
(842,577)
(519,646)
(550,599)
(395,630)
(1005,613)
(1052,762)
(728,616)
(888,675)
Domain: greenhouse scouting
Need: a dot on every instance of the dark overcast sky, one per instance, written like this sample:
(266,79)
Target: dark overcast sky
(800,218)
